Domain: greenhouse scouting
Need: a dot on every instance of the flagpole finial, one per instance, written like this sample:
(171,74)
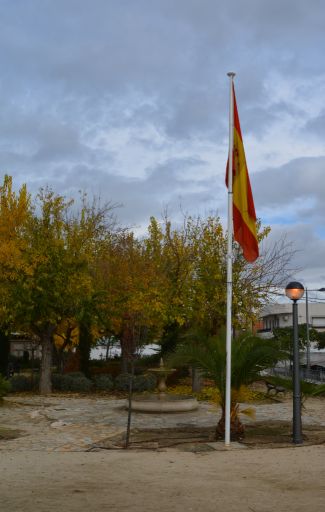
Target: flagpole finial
(231,74)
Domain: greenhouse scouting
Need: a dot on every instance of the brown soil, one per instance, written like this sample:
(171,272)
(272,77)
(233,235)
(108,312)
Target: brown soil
(274,434)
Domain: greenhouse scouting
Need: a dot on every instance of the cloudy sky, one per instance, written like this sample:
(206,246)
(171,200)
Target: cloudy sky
(128,99)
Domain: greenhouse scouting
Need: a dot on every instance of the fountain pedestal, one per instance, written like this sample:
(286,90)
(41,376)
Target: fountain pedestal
(162,402)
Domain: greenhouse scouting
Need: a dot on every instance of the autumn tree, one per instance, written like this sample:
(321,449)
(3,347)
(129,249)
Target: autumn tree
(15,212)
(57,279)
(172,255)
(192,257)
(66,338)
(90,235)
(49,291)
(135,312)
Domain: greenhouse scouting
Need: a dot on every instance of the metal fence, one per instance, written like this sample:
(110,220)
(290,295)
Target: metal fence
(317,376)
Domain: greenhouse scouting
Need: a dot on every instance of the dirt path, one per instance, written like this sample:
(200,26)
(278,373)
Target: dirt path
(47,468)
(282,480)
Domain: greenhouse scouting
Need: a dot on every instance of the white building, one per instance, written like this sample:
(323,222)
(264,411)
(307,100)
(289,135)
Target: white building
(24,345)
(280,315)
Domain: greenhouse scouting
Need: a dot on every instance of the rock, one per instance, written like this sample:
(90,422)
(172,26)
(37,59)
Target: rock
(59,424)
(34,414)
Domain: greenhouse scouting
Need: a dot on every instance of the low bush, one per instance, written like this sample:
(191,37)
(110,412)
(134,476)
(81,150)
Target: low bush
(75,381)
(57,379)
(145,382)
(104,382)
(23,383)
(75,375)
(4,386)
(140,382)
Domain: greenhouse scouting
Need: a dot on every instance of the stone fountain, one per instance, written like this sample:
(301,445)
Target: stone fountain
(163,402)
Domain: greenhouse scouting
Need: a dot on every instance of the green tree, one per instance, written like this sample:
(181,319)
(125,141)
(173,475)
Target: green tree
(60,255)
(284,337)
(321,340)
(51,289)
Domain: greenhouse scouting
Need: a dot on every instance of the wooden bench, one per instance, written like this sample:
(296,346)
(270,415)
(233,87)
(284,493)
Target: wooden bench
(274,387)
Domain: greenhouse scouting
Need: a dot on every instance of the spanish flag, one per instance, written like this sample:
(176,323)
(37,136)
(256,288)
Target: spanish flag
(244,216)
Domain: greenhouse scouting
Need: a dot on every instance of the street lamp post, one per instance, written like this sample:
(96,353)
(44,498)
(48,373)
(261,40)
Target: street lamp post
(295,291)
(307,337)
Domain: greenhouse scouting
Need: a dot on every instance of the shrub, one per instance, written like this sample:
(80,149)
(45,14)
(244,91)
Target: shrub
(77,384)
(75,381)
(140,382)
(57,379)
(122,381)
(104,382)
(23,383)
(4,386)
(145,382)
(75,375)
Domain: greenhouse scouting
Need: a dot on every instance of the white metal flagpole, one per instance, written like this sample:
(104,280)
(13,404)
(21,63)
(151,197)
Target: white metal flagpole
(229,263)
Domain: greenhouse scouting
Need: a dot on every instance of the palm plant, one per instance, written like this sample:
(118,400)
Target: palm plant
(250,356)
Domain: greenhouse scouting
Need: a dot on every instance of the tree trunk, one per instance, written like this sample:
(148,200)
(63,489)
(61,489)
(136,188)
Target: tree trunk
(46,363)
(237,429)
(85,343)
(130,394)
(127,347)
(197,380)
(124,360)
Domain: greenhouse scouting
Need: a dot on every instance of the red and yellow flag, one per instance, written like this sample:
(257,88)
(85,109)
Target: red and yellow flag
(244,216)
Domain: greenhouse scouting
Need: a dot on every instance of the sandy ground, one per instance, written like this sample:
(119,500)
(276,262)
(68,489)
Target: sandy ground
(36,478)
(282,480)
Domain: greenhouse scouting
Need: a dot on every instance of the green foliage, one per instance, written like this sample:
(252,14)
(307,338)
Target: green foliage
(4,386)
(57,250)
(20,383)
(321,340)
(76,382)
(140,382)
(250,356)
(191,261)
(104,382)
(59,266)
(307,388)
(170,337)
(284,336)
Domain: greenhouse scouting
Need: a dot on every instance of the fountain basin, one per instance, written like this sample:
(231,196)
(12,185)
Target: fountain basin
(164,403)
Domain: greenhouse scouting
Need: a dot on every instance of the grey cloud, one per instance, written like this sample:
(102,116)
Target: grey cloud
(77,73)
(293,184)
(177,52)
(316,125)
(139,198)
(308,252)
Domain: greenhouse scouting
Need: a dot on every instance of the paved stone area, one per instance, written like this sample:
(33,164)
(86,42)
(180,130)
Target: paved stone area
(74,423)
